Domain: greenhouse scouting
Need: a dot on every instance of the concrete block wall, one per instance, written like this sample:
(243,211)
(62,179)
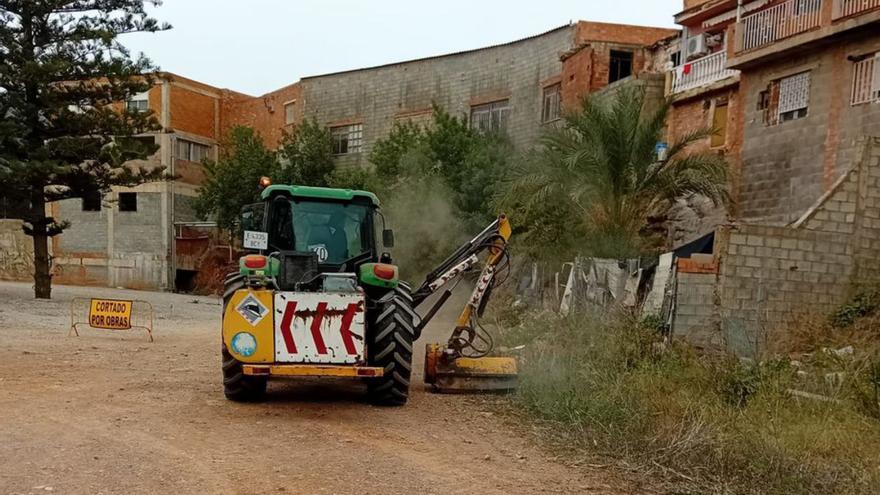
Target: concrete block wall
(770,274)
(786,166)
(115,248)
(374,97)
(695,310)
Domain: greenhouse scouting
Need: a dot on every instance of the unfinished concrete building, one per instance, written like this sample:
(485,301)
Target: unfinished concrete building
(802,140)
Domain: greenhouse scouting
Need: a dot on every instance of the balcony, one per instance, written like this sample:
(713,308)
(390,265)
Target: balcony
(847,8)
(781,21)
(701,72)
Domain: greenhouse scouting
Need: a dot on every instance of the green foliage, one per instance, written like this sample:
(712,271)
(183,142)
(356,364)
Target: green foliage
(307,155)
(62,69)
(437,185)
(470,164)
(863,304)
(356,178)
(232,181)
(387,153)
(744,379)
(601,168)
(707,424)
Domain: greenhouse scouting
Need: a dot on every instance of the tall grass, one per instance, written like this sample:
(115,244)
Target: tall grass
(706,424)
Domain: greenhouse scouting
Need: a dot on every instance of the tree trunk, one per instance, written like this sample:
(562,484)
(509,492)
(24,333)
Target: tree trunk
(42,278)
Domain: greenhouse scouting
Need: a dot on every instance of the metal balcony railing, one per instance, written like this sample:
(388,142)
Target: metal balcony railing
(846,8)
(701,72)
(779,22)
(866,81)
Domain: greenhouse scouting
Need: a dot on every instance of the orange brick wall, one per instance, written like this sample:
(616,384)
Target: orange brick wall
(620,33)
(587,70)
(265,113)
(192,112)
(688,4)
(577,77)
(690,115)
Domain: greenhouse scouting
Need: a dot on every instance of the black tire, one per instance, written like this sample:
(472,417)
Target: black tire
(236,385)
(392,333)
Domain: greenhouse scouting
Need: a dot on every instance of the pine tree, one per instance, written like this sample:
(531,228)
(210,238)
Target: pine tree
(63,127)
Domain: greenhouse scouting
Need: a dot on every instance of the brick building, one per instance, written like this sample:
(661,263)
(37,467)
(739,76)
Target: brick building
(125,238)
(137,237)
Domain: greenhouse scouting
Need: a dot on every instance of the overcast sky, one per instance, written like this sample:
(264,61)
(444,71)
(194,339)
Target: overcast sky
(256,46)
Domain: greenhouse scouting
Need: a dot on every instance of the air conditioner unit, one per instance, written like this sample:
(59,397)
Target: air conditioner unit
(696,47)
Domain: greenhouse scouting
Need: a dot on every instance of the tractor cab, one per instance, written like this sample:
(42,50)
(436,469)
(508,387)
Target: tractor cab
(313,234)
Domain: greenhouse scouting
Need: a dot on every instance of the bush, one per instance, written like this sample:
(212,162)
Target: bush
(710,424)
(860,306)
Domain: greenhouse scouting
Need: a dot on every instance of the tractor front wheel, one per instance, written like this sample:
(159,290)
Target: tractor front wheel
(392,327)
(239,387)
(236,385)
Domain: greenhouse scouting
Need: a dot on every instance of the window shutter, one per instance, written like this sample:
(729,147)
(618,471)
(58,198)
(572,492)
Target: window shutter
(875,80)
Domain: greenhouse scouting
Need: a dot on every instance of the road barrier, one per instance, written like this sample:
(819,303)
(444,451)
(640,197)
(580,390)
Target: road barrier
(111,314)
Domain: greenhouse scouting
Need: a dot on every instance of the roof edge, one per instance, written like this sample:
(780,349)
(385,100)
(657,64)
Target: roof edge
(570,25)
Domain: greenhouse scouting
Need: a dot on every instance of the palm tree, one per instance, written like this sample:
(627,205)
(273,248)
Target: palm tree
(603,163)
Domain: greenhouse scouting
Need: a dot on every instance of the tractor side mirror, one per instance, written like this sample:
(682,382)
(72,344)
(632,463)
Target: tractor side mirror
(388,238)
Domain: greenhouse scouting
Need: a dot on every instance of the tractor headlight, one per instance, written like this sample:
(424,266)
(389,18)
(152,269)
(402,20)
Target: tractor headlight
(244,344)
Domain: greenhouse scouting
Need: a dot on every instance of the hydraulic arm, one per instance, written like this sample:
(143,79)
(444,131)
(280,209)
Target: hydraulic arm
(461,364)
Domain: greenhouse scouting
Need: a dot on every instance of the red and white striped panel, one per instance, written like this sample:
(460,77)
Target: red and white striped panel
(319,328)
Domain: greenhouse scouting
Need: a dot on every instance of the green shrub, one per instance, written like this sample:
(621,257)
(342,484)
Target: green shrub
(864,304)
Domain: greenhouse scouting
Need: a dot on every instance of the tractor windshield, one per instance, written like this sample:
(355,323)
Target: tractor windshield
(336,232)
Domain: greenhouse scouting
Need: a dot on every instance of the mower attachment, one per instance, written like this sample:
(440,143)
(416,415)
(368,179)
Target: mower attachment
(445,373)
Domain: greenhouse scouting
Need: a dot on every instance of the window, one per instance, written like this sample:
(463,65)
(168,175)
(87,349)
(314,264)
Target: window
(290,112)
(719,125)
(347,139)
(491,117)
(552,97)
(794,97)
(139,102)
(192,151)
(91,201)
(621,65)
(866,80)
(128,201)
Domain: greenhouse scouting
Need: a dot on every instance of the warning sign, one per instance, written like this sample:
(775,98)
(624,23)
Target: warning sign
(110,314)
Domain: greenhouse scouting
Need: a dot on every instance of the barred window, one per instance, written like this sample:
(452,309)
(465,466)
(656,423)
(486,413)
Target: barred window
(552,101)
(491,117)
(347,139)
(192,151)
(794,97)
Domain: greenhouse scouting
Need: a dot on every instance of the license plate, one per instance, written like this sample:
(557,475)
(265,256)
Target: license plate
(319,328)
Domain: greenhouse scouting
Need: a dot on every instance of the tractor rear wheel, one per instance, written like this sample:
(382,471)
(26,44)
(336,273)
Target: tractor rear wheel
(392,328)
(236,385)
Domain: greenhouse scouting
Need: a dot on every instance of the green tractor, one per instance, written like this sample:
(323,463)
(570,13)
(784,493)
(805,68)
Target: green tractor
(319,297)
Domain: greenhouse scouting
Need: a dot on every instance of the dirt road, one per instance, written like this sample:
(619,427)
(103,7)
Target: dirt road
(110,413)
